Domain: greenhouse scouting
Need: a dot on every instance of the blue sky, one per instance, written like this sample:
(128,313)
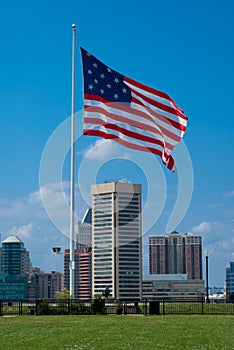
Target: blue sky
(183,48)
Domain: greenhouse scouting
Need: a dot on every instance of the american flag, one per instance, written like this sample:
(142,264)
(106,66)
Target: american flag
(124,110)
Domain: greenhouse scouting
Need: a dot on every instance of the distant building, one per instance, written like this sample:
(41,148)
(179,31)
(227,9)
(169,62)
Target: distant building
(16,269)
(83,260)
(117,245)
(84,233)
(82,273)
(49,284)
(45,285)
(171,286)
(33,284)
(158,255)
(193,256)
(229,282)
(13,287)
(15,258)
(176,254)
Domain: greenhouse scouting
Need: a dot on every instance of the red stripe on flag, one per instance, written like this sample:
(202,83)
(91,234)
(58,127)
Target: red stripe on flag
(154,92)
(126,132)
(161,117)
(170,164)
(128,121)
(146,115)
(132,110)
(158,105)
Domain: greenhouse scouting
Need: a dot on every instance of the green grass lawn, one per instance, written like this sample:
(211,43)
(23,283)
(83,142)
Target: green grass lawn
(117,332)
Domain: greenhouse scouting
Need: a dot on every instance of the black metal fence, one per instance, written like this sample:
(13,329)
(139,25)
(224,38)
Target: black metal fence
(99,306)
(96,306)
(188,307)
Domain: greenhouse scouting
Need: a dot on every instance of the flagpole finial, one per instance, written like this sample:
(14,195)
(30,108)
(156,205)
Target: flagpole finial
(73,26)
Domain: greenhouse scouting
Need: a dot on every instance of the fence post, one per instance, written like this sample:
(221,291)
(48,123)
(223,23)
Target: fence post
(146,305)
(36,306)
(1,308)
(69,306)
(125,308)
(20,307)
(202,306)
(163,307)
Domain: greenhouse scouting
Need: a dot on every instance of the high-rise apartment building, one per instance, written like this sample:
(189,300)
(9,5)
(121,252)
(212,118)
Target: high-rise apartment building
(116,239)
(176,249)
(158,255)
(230,282)
(193,257)
(176,254)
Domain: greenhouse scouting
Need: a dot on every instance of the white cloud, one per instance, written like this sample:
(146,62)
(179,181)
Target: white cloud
(26,218)
(104,150)
(229,194)
(26,215)
(217,237)
(24,231)
(203,227)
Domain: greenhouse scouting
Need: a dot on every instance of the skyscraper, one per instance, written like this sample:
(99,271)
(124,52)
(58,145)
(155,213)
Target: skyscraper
(193,256)
(16,269)
(230,282)
(117,228)
(15,258)
(83,260)
(158,255)
(83,272)
(84,233)
(176,254)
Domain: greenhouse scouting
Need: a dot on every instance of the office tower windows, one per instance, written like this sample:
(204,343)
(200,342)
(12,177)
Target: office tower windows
(117,239)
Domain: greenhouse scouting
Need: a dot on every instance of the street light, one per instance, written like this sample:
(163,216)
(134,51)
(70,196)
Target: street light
(56,250)
(207,276)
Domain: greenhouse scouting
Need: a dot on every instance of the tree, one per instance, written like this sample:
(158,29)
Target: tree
(64,295)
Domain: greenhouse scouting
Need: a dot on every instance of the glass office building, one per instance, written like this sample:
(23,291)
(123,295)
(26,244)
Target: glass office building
(230,282)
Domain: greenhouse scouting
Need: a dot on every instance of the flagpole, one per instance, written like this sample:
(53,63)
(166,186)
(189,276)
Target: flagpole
(72,202)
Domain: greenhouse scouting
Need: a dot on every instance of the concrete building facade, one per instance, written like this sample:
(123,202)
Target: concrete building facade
(176,254)
(171,287)
(84,232)
(116,239)
(83,260)
(83,272)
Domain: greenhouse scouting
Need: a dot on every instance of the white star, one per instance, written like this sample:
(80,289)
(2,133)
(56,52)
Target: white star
(102,91)
(90,72)
(108,86)
(88,54)
(116,96)
(108,70)
(116,80)
(124,90)
(96,81)
(95,65)
(102,76)
(90,87)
